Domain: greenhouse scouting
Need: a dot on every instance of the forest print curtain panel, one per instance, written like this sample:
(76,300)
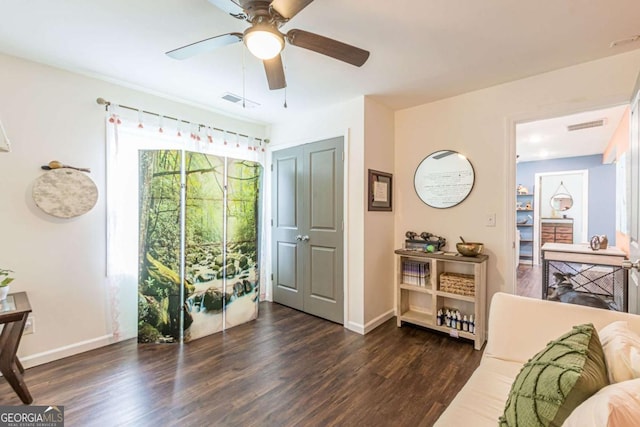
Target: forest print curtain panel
(198,252)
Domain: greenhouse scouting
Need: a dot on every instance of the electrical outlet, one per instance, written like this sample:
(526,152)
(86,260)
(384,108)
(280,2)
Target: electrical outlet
(490,220)
(30,326)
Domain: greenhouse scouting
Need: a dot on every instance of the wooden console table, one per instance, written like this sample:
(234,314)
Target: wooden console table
(597,272)
(13,315)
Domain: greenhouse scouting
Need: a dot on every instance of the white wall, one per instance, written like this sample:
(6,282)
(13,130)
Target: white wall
(339,120)
(379,261)
(481,126)
(50,114)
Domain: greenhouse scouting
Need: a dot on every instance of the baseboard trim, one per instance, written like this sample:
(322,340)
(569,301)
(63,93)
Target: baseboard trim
(65,351)
(370,326)
(355,327)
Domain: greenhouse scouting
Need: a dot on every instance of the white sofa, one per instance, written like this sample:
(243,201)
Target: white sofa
(518,328)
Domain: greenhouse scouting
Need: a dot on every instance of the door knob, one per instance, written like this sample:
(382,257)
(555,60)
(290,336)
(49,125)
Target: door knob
(298,237)
(305,238)
(628,265)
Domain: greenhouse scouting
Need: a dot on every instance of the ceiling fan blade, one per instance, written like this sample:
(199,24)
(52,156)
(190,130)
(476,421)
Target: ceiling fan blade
(231,7)
(275,73)
(289,8)
(205,45)
(326,46)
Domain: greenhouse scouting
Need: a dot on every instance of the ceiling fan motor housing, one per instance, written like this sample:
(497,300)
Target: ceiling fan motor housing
(261,11)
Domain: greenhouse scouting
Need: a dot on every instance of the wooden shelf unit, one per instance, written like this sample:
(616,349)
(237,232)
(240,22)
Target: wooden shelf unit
(419,304)
(526,230)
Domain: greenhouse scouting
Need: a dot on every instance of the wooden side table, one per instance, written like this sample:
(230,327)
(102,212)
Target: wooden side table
(13,315)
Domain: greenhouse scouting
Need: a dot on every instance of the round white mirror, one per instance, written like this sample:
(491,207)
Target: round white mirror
(561,199)
(444,179)
(561,202)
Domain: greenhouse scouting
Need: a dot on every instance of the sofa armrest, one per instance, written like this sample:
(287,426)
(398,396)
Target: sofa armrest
(519,327)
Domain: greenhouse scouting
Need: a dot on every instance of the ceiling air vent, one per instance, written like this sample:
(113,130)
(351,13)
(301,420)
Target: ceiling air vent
(236,99)
(587,125)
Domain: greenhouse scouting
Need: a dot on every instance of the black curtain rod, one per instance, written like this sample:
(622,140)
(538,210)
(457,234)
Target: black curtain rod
(102,101)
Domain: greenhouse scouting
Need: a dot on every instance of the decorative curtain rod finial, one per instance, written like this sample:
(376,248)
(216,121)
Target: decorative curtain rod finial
(102,101)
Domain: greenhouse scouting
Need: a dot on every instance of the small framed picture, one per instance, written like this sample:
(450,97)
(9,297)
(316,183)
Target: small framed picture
(380,191)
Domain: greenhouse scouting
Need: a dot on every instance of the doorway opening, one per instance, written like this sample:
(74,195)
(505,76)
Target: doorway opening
(576,156)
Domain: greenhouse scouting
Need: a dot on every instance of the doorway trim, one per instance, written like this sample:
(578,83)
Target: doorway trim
(510,123)
(537,204)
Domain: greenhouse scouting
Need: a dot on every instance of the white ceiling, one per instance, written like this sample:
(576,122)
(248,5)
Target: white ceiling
(550,139)
(420,50)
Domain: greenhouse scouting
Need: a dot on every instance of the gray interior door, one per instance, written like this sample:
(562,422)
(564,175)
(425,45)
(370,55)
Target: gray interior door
(322,207)
(308,256)
(287,227)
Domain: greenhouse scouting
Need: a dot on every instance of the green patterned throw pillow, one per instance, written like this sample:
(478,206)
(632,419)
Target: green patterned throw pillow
(556,380)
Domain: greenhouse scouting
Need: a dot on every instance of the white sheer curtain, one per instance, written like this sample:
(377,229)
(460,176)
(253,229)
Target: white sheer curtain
(125,138)
(4,140)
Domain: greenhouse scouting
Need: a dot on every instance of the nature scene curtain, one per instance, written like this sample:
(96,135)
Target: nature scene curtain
(198,244)
(184,220)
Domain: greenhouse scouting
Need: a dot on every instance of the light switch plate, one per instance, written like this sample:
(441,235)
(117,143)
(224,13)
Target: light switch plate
(490,220)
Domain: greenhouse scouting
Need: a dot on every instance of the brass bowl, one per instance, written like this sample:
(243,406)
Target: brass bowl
(470,248)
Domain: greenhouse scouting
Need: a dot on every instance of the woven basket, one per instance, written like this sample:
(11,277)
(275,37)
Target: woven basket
(459,284)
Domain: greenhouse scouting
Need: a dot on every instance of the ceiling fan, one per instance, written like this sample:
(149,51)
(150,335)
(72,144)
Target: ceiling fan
(264,39)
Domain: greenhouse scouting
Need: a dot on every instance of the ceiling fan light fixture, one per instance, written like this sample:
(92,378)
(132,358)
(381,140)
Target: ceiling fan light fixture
(264,42)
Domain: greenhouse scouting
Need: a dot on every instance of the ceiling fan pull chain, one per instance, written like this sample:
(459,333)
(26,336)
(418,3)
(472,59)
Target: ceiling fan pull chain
(284,67)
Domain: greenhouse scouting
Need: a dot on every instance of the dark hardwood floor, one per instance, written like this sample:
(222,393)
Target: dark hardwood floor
(284,369)
(529,281)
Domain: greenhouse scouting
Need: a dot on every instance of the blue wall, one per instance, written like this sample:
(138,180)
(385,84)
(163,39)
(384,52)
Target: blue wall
(602,187)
